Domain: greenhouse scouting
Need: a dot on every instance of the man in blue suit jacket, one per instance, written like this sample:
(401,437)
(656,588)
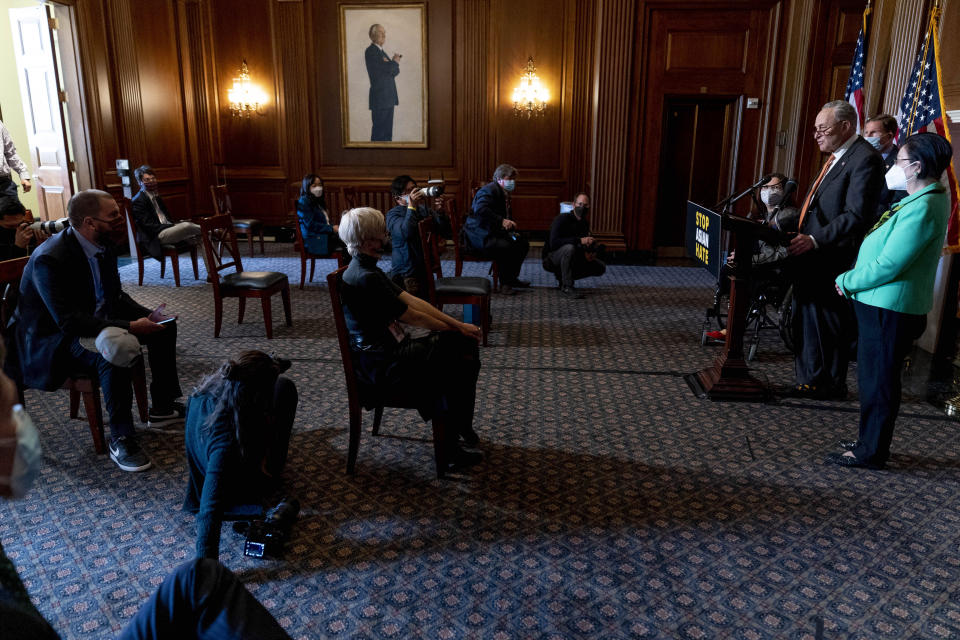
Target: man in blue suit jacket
(382,70)
(880,131)
(490,228)
(70,291)
(840,206)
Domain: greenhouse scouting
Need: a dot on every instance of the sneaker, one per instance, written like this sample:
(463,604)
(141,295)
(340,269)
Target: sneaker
(128,455)
(720,335)
(571,293)
(162,417)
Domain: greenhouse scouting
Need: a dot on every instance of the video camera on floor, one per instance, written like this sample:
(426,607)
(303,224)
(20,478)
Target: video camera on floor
(267,537)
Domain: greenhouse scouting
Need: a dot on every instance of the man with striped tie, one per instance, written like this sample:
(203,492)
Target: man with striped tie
(838,209)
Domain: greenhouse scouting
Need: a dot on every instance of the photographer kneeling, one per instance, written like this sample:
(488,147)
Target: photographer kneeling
(571,252)
(237,432)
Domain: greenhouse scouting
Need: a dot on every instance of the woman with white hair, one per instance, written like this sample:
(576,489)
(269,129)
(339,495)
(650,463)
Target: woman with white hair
(441,368)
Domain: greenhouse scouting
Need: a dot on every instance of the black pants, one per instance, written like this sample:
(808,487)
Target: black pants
(508,254)
(9,196)
(885,339)
(115,382)
(823,329)
(202,599)
(569,265)
(382,125)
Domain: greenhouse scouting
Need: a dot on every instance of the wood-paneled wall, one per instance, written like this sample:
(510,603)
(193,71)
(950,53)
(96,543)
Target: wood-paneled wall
(156,73)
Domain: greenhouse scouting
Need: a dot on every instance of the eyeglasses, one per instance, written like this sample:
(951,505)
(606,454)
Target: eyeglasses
(822,131)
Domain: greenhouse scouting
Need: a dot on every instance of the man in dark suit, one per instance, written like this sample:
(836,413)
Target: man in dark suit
(382,70)
(837,211)
(71,298)
(491,230)
(155,227)
(880,131)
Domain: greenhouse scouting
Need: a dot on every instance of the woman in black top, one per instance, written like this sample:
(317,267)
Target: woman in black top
(440,368)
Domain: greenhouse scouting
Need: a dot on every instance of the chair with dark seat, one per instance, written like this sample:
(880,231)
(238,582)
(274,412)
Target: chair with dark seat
(219,231)
(166,251)
(459,290)
(246,226)
(305,254)
(463,252)
(365,396)
(80,385)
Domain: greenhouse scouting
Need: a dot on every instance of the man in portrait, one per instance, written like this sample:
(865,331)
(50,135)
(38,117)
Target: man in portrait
(382,69)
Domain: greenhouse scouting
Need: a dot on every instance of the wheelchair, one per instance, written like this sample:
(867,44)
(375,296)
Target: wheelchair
(770,308)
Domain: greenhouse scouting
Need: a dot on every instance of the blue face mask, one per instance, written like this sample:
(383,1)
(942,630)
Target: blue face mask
(27,460)
(508,185)
(875,141)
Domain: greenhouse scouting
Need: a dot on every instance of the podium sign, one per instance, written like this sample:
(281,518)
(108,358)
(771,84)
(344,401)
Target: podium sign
(703,237)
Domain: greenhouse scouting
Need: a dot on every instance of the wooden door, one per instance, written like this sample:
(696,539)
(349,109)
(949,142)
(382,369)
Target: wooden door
(695,162)
(40,90)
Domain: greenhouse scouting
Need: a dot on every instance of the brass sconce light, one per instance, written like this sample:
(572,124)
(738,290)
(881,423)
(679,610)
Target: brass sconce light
(245,98)
(530,97)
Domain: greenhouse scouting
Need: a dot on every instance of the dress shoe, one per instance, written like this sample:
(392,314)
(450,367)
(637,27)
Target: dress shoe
(470,437)
(571,293)
(461,459)
(848,445)
(520,284)
(716,335)
(850,461)
(507,290)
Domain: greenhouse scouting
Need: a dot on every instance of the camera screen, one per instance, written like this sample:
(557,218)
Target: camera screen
(253,549)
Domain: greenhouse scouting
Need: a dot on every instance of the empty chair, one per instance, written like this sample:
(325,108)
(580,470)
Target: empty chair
(237,283)
(248,226)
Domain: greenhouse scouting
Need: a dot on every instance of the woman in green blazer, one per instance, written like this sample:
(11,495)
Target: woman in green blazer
(892,290)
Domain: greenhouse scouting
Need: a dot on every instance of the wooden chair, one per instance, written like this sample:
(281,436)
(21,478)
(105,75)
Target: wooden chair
(463,252)
(238,284)
(247,226)
(79,385)
(465,291)
(364,396)
(166,251)
(301,249)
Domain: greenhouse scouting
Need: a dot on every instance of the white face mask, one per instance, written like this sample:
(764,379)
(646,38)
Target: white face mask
(316,191)
(770,197)
(27,459)
(897,177)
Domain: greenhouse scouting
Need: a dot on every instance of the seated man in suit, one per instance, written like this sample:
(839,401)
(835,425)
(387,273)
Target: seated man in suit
(880,131)
(490,229)
(71,300)
(571,252)
(408,269)
(154,226)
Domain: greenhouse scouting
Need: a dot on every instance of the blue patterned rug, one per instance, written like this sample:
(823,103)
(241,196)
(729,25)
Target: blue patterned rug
(612,503)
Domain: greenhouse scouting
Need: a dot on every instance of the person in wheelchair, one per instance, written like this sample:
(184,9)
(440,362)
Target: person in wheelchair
(766,258)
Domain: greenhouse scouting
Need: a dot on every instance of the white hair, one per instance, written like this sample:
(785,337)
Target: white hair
(359,225)
(842,110)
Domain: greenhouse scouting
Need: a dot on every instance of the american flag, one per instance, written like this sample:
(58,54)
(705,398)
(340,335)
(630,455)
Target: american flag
(854,92)
(921,110)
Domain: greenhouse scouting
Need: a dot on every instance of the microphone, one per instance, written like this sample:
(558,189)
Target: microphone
(759,182)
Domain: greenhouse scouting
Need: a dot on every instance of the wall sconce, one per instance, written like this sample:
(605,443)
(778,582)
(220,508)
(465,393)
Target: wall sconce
(245,97)
(530,97)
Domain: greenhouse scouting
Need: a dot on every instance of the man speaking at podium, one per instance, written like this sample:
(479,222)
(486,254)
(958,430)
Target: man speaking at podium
(836,212)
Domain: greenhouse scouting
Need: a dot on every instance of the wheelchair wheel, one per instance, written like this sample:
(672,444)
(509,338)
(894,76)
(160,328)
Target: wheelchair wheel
(752,353)
(786,320)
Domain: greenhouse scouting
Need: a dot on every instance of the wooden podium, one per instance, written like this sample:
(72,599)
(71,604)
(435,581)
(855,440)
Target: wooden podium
(729,377)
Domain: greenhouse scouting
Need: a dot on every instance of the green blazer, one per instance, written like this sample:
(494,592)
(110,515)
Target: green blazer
(898,259)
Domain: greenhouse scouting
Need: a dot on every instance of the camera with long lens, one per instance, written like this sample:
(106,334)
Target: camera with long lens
(267,537)
(433,189)
(50,227)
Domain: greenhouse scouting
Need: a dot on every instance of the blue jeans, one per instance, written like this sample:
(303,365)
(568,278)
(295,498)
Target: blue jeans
(202,599)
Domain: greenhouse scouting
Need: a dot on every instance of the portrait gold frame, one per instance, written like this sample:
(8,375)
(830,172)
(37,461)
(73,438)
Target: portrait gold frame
(347,83)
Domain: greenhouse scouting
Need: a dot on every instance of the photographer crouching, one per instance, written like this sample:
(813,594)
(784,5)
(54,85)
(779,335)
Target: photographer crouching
(18,234)
(237,432)
(571,252)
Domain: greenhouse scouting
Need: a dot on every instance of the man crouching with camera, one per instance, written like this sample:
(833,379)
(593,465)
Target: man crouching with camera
(18,236)
(237,433)
(571,252)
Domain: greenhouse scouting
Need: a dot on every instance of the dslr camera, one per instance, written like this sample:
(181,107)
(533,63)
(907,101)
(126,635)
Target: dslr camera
(50,227)
(267,537)
(433,189)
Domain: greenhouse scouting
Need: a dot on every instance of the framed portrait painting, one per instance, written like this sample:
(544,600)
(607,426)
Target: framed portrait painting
(383,75)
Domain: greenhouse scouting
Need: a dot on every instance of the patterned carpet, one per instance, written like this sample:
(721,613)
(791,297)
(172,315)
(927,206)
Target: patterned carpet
(612,503)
